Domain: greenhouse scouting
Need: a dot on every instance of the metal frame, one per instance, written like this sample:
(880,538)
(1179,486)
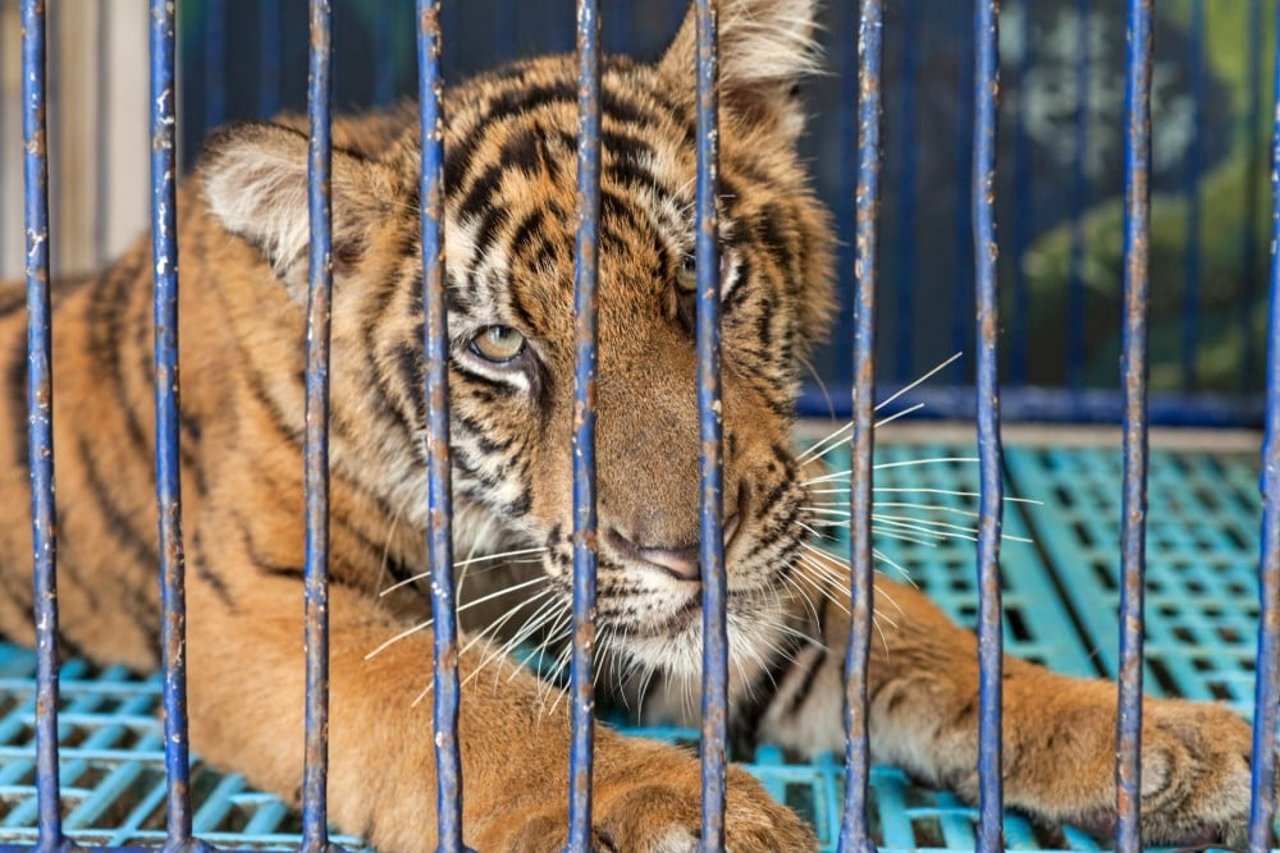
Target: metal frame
(855,833)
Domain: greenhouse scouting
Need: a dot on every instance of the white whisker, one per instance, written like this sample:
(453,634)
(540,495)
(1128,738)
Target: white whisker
(902,463)
(885,558)
(844,490)
(466,562)
(905,389)
(923,379)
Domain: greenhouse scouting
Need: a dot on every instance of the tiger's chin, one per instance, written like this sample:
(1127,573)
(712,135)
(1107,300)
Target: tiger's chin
(762,628)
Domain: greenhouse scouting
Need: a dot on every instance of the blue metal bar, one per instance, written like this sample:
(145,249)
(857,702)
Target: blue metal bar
(315,830)
(1267,689)
(586,268)
(855,830)
(435,333)
(215,64)
(1077,316)
(1133,380)
(164,255)
(384,55)
(1253,143)
(269,53)
(986,83)
(962,284)
(1023,212)
(1192,168)
(715,641)
(904,330)
(35,186)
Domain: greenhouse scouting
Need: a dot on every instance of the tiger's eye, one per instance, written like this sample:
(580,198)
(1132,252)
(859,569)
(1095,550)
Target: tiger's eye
(687,275)
(498,344)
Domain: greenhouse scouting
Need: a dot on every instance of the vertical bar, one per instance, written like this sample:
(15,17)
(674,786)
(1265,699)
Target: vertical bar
(439,495)
(102,132)
(35,175)
(270,51)
(715,646)
(1191,188)
(584,418)
(1253,145)
(1267,689)
(164,255)
(962,285)
(1137,248)
(384,55)
(1023,212)
(315,832)
(904,334)
(215,65)
(1077,316)
(855,832)
(986,84)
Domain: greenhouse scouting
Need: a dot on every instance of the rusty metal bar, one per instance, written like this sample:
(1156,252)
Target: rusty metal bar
(1133,378)
(715,643)
(586,269)
(855,830)
(315,831)
(35,185)
(1267,689)
(986,84)
(164,256)
(446,690)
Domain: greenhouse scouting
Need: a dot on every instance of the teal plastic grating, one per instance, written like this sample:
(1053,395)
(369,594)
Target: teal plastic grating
(1060,601)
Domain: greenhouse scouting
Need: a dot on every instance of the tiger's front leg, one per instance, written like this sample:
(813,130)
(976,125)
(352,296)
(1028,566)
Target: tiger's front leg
(246,707)
(1059,732)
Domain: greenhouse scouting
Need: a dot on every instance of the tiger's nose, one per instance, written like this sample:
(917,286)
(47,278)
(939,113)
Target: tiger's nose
(681,562)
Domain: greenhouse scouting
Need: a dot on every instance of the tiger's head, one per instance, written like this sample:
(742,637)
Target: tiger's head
(510,177)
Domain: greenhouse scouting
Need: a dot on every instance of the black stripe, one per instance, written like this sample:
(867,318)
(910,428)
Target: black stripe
(18,592)
(117,521)
(491,224)
(387,404)
(745,723)
(208,574)
(524,233)
(411,369)
(520,100)
(481,435)
(16,387)
(106,320)
(810,677)
(14,305)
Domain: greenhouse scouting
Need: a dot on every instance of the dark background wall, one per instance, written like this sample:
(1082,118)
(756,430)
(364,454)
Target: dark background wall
(1058,199)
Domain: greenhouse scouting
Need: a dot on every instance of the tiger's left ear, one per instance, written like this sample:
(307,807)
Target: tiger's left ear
(254,177)
(766,47)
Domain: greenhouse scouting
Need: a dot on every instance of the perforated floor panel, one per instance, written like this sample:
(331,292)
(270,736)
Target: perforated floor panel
(1060,602)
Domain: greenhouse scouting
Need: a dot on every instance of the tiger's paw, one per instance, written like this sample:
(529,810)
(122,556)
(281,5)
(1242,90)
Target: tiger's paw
(1196,771)
(1196,774)
(663,815)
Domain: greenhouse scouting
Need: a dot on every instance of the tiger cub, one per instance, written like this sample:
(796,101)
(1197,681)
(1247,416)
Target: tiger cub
(509,178)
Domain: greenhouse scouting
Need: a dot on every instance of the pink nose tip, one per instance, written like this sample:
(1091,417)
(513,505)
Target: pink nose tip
(681,563)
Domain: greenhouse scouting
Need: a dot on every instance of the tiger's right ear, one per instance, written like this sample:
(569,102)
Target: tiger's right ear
(254,176)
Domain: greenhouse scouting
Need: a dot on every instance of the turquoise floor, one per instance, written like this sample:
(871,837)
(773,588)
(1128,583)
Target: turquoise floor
(1060,598)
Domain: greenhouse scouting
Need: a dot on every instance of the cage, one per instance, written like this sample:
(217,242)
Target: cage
(1059,195)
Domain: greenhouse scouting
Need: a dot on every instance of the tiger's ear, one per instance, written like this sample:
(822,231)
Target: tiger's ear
(254,177)
(766,46)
